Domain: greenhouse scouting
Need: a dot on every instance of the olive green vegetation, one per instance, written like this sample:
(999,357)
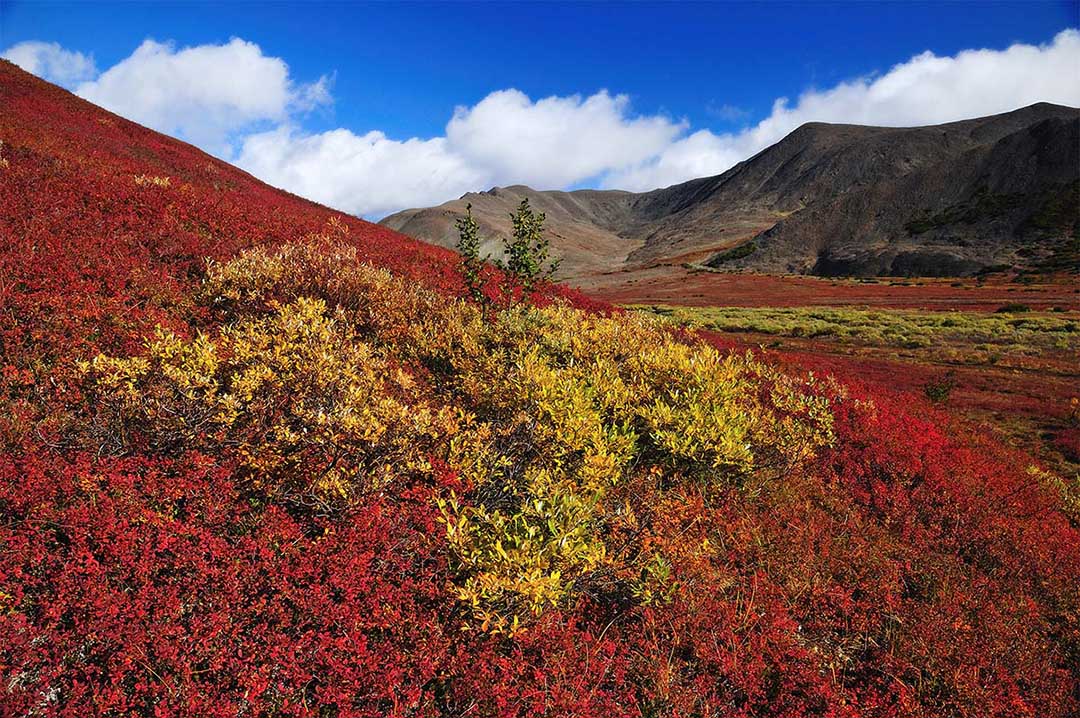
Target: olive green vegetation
(527,264)
(1055,215)
(743,250)
(1058,212)
(1059,215)
(982,206)
(527,252)
(994,333)
(1054,223)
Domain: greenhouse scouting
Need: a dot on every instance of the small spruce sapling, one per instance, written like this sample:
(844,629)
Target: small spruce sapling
(527,252)
(472,265)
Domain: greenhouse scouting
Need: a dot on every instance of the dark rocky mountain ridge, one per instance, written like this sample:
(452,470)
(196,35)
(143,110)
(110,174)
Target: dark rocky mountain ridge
(942,200)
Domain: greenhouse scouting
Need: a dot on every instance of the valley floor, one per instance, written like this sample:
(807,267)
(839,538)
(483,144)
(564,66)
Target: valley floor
(674,284)
(988,366)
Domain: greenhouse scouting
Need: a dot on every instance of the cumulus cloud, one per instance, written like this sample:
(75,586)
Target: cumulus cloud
(700,154)
(366,174)
(925,90)
(556,141)
(52,62)
(503,139)
(205,94)
(234,100)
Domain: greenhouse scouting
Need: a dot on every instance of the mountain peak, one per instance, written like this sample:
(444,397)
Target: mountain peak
(827,199)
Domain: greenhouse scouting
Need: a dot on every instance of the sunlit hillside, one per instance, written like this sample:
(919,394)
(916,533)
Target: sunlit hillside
(260,458)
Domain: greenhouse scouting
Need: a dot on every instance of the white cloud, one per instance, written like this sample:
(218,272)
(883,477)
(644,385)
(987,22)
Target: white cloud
(363,174)
(925,90)
(205,94)
(52,62)
(700,154)
(556,141)
(507,138)
(221,96)
(503,139)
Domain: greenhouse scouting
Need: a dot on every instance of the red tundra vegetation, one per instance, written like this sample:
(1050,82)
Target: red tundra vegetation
(261,458)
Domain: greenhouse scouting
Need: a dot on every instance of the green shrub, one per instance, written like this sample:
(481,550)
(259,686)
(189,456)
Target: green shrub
(939,390)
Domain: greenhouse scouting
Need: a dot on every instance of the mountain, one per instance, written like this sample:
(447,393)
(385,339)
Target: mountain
(587,228)
(828,200)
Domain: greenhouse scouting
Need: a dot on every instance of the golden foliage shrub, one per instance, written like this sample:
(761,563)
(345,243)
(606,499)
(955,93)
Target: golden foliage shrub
(152,181)
(308,410)
(332,378)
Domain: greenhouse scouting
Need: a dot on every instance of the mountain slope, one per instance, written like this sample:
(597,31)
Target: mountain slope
(829,200)
(102,217)
(73,173)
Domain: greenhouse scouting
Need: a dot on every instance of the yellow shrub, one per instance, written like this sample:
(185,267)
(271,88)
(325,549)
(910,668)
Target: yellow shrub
(331,377)
(597,399)
(307,408)
(152,181)
(374,301)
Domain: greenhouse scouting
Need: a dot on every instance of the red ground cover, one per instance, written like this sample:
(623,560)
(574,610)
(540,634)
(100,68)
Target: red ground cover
(673,284)
(913,571)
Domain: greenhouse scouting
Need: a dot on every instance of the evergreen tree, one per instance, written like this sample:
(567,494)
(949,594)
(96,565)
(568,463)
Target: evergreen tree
(527,251)
(472,264)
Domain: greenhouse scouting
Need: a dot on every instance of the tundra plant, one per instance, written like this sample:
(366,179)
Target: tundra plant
(468,247)
(527,250)
(331,381)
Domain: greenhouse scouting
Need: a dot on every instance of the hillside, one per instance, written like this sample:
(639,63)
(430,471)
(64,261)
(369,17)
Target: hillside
(583,226)
(830,200)
(259,458)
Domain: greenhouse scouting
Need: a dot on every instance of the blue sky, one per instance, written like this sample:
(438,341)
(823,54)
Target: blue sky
(671,72)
